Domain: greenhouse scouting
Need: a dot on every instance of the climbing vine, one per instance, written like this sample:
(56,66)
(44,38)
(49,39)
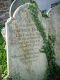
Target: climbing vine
(48,43)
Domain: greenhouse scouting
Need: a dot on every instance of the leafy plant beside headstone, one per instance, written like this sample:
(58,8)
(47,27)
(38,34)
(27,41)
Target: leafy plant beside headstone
(3,65)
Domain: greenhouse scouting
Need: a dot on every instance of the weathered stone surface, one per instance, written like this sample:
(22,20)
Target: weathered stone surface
(24,59)
(4,9)
(4,6)
(54,28)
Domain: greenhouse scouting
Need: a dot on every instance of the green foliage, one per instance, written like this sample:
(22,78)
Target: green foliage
(44,14)
(3,65)
(48,46)
(34,12)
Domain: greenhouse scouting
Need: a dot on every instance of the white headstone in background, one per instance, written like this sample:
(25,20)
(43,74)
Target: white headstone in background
(24,59)
(54,28)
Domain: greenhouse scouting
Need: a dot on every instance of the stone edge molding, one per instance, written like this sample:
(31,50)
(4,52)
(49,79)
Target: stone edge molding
(15,4)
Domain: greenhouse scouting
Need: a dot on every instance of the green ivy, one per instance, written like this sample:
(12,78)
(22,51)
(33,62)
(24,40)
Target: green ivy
(34,12)
(3,64)
(48,43)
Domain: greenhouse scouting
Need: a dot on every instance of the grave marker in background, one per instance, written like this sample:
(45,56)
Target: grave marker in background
(54,28)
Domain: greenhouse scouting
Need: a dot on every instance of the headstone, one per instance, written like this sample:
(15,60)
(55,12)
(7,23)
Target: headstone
(24,59)
(54,28)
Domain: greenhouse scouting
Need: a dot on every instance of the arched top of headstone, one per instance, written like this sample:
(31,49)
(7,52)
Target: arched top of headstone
(24,9)
(54,10)
(15,4)
(21,8)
